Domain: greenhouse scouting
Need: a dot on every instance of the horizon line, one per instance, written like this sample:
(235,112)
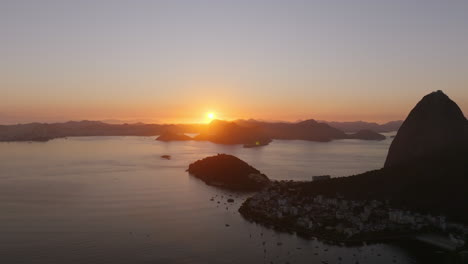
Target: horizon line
(122,122)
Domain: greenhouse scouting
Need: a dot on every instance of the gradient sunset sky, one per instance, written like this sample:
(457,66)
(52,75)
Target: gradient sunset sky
(175,61)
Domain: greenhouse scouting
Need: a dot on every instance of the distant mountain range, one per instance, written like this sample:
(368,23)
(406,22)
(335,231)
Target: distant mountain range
(44,132)
(222,132)
(253,133)
(250,132)
(351,127)
(307,130)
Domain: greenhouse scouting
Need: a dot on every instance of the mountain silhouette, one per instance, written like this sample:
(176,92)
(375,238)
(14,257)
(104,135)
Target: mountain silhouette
(224,132)
(248,132)
(367,134)
(305,130)
(426,168)
(310,130)
(435,125)
(229,172)
(355,126)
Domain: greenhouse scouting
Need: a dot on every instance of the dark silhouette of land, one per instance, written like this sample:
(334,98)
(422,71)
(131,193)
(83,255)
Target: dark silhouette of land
(435,185)
(251,133)
(305,130)
(224,132)
(228,172)
(172,136)
(426,168)
(352,127)
(310,130)
(35,131)
(434,125)
(367,134)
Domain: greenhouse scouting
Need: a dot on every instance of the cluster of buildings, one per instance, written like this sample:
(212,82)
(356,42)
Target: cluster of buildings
(282,204)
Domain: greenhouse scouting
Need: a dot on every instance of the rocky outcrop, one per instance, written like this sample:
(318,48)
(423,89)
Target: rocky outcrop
(229,172)
(434,126)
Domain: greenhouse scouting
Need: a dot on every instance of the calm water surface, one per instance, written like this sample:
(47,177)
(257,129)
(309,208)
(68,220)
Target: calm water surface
(114,200)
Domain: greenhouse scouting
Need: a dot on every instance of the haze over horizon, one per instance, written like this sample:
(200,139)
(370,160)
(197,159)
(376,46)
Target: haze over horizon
(176,61)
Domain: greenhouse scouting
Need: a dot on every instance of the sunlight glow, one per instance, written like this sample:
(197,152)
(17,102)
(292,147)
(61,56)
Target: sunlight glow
(211,116)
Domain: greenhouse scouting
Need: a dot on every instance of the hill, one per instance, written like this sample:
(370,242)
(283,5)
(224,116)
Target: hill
(306,130)
(426,168)
(352,127)
(45,131)
(224,132)
(435,125)
(229,172)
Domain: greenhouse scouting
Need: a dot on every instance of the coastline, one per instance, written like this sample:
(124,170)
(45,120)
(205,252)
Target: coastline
(326,237)
(282,207)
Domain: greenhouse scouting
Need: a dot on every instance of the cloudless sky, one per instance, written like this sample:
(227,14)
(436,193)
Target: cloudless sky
(175,61)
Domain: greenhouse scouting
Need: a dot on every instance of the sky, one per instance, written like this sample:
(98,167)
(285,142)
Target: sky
(175,61)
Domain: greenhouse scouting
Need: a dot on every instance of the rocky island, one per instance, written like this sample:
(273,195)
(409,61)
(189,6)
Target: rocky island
(228,172)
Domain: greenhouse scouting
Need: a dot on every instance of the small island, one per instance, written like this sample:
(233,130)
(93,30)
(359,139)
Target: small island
(167,157)
(256,144)
(228,172)
(367,134)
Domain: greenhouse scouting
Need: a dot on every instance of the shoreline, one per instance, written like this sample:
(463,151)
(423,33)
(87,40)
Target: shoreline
(283,207)
(326,237)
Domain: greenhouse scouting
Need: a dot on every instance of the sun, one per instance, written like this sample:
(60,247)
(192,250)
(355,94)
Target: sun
(211,116)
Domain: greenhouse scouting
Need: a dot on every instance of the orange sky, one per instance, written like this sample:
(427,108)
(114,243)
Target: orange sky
(195,110)
(174,61)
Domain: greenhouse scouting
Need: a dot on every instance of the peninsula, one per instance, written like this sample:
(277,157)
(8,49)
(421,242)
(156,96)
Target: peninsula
(414,194)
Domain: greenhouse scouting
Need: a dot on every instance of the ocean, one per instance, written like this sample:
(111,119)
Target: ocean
(115,200)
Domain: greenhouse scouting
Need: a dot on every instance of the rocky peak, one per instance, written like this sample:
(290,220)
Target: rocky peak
(435,124)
